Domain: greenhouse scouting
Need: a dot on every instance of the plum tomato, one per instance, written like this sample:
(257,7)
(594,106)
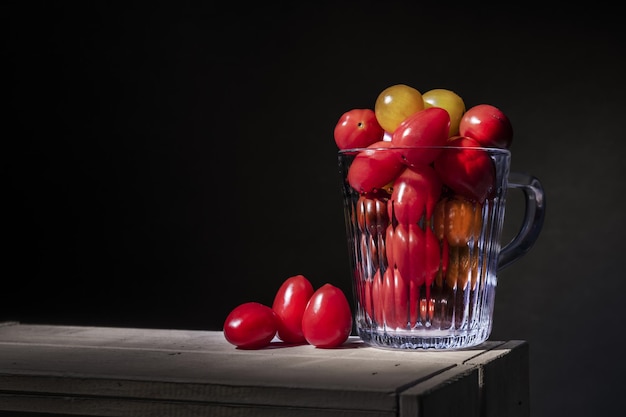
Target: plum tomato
(250,325)
(415,194)
(387,298)
(396,299)
(372,170)
(428,127)
(466,170)
(457,220)
(357,128)
(488,125)
(389,236)
(327,320)
(371,215)
(409,252)
(432,254)
(289,304)
(448,100)
(377,313)
(396,103)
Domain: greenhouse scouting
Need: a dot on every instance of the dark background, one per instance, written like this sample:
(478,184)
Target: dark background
(166,163)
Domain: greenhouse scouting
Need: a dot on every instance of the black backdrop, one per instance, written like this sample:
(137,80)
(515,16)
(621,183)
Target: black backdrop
(166,163)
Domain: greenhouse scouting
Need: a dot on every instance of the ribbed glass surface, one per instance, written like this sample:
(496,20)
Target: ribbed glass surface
(425,279)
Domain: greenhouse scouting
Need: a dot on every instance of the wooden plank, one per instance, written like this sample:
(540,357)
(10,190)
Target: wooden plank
(84,370)
(447,394)
(115,407)
(505,381)
(238,377)
(496,384)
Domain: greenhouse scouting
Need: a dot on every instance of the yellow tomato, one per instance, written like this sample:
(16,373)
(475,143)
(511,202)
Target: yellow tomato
(448,100)
(396,103)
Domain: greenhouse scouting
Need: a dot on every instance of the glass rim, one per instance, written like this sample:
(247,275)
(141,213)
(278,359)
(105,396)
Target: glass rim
(492,150)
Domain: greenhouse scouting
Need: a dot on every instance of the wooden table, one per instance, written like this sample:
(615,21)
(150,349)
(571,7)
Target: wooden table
(100,371)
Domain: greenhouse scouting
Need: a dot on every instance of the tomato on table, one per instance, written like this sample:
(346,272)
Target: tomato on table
(327,320)
(289,304)
(250,325)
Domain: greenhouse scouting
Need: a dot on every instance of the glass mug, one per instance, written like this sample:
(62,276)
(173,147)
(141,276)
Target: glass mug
(424,241)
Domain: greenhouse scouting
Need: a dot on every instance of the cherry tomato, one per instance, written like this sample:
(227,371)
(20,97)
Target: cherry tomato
(396,103)
(357,128)
(327,320)
(468,172)
(289,304)
(250,325)
(488,125)
(372,169)
(448,100)
(429,127)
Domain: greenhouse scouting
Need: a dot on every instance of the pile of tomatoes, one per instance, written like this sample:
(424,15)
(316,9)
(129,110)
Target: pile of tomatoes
(298,315)
(418,126)
(421,167)
(414,174)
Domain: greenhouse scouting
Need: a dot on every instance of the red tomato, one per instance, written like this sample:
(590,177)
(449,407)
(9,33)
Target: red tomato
(389,246)
(415,194)
(487,125)
(414,295)
(468,172)
(289,304)
(371,214)
(377,298)
(367,299)
(327,320)
(386,297)
(372,169)
(428,127)
(409,252)
(357,128)
(432,252)
(400,300)
(250,325)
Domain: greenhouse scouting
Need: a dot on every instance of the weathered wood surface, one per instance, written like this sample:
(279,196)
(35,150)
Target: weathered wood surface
(146,372)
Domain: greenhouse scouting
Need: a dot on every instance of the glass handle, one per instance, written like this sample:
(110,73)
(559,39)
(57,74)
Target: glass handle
(533,218)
